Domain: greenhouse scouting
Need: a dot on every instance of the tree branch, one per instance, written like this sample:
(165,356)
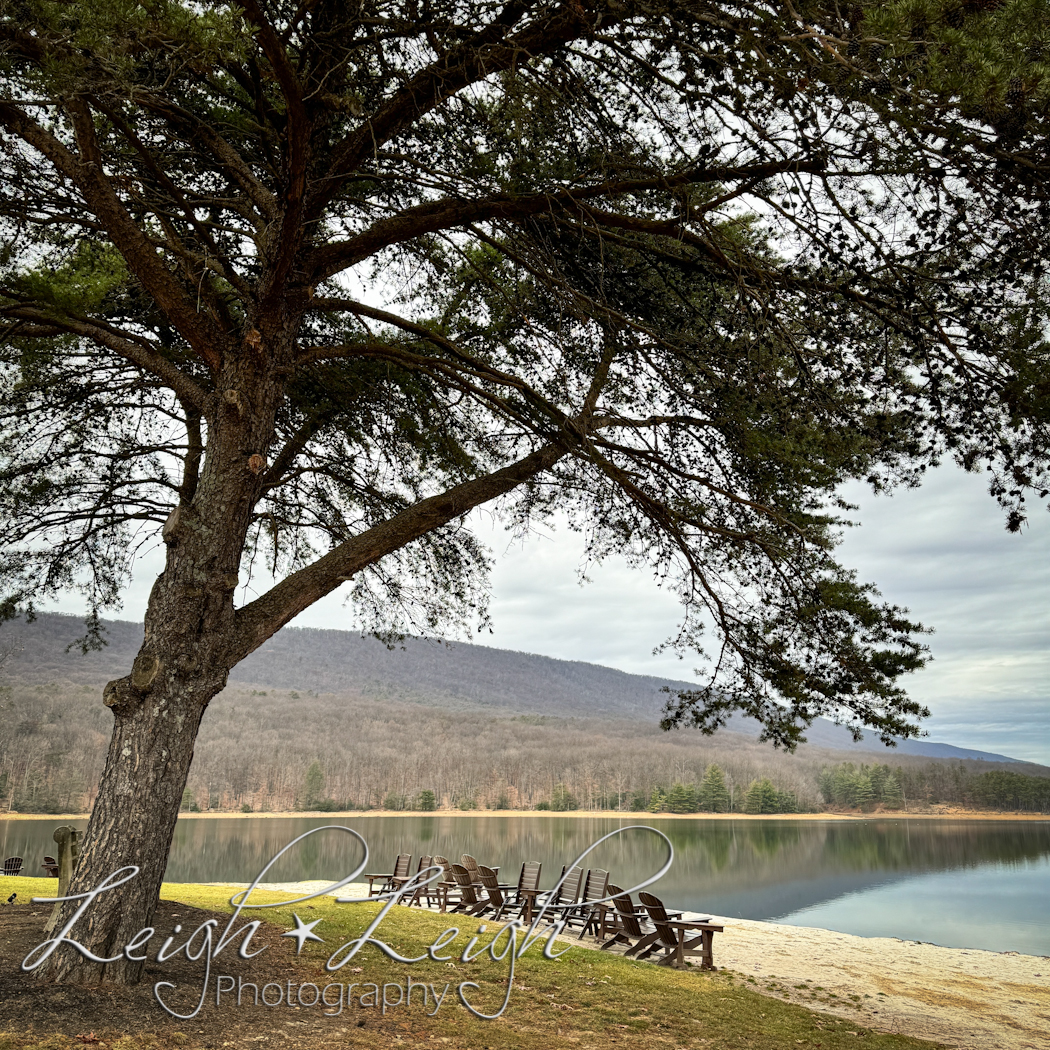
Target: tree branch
(86,173)
(473,60)
(449,213)
(262,618)
(136,351)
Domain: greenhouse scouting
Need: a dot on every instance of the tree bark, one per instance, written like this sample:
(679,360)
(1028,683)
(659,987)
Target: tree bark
(133,821)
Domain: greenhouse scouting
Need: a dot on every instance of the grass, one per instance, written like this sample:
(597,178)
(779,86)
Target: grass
(585,998)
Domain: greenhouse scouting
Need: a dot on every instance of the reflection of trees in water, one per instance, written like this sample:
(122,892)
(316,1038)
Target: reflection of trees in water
(934,846)
(771,839)
(710,856)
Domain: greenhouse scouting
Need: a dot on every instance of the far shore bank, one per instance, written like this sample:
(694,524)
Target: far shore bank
(948,814)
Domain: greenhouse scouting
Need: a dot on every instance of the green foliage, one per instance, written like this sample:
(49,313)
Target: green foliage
(189,802)
(467,803)
(396,802)
(1001,789)
(562,800)
(713,796)
(682,799)
(762,797)
(862,788)
(427,800)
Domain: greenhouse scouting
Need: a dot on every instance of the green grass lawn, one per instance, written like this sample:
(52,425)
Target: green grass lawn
(584,998)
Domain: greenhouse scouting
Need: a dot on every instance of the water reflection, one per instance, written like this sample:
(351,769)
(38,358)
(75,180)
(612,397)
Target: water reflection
(855,876)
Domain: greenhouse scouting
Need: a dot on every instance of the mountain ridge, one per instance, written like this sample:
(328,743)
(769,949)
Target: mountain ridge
(430,672)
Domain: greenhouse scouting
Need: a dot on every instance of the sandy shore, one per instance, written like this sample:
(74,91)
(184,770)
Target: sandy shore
(977,1000)
(970,999)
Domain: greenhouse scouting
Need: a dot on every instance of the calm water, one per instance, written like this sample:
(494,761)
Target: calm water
(959,883)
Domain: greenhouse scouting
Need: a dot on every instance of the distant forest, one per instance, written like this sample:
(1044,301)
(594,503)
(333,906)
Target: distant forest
(369,745)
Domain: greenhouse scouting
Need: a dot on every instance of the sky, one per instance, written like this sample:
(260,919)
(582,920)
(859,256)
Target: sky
(940,550)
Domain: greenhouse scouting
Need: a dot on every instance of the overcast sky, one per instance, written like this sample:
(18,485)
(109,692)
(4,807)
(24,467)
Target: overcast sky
(940,550)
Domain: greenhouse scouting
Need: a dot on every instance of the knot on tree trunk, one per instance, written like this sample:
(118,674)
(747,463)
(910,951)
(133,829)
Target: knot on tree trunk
(119,696)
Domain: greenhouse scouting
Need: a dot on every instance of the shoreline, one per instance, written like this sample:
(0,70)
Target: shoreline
(605,814)
(969,998)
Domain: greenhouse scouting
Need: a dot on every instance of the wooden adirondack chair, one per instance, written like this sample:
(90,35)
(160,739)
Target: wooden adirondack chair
(445,885)
(673,936)
(587,915)
(629,925)
(568,893)
(387,882)
(496,901)
(422,891)
(50,867)
(468,894)
(528,888)
(12,866)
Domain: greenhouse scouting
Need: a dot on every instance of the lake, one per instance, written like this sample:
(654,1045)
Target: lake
(966,884)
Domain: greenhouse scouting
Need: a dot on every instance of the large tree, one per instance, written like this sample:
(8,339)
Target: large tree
(302,284)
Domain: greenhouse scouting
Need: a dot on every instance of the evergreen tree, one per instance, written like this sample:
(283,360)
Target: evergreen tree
(689,340)
(657,801)
(427,800)
(892,795)
(563,800)
(713,794)
(681,799)
(762,797)
(313,786)
(863,793)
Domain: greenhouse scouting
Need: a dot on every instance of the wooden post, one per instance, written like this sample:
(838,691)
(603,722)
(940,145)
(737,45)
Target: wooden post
(68,840)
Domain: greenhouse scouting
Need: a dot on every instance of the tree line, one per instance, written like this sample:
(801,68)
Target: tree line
(864,787)
(365,754)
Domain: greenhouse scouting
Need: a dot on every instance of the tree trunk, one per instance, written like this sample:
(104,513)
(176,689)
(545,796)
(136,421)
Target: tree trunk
(132,822)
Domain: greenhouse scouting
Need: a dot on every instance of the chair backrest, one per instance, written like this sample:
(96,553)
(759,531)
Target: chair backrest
(655,907)
(569,892)
(12,866)
(491,883)
(471,865)
(625,912)
(465,883)
(403,866)
(424,863)
(529,879)
(595,883)
(50,860)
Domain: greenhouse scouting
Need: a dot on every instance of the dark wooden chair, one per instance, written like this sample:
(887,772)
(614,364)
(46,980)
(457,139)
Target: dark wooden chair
(672,935)
(445,885)
(591,917)
(468,893)
(422,891)
(473,867)
(496,901)
(528,889)
(50,867)
(386,882)
(632,927)
(12,866)
(567,894)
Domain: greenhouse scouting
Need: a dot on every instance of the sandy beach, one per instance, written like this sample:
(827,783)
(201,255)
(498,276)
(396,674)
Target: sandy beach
(965,998)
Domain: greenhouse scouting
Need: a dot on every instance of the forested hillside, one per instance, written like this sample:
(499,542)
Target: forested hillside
(323,719)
